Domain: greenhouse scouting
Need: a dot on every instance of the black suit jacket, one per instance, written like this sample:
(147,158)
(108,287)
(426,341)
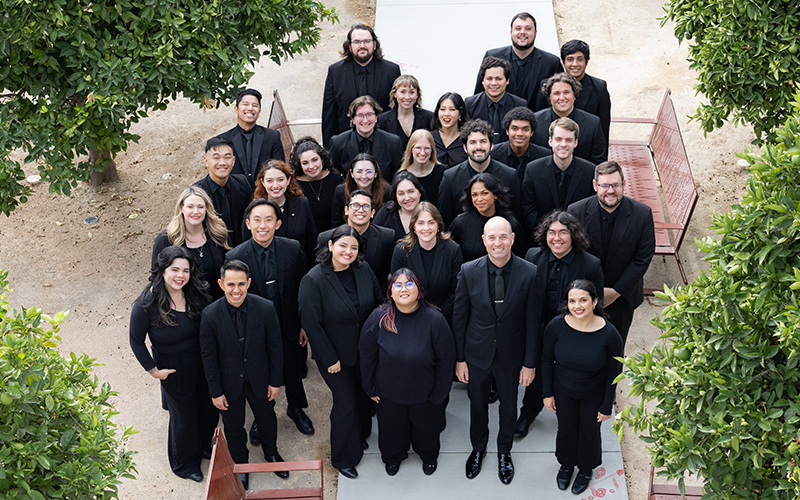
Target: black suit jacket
(387,149)
(504,154)
(376,245)
(633,244)
(331,321)
(540,188)
(388,121)
(341,89)
(452,188)
(297,223)
(291,268)
(594,99)
(240,196)
(266,143)
(545,66)
(592,145)
(226,361)
(478,330)
(478,107)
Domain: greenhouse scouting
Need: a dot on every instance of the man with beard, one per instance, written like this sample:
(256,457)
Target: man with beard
(529,65)
(622,236)
(362,71)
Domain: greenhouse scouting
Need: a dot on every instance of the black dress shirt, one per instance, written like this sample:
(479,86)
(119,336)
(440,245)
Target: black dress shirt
(451,155)
(607,220)
(557,282)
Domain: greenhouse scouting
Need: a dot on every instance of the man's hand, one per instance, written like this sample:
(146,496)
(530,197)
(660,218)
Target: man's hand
(221,403)
(272,392)
(160,374)
(462,372)
(609,296)
(526,376)
(303,338)
(550,403)
(335,368)
(377,399)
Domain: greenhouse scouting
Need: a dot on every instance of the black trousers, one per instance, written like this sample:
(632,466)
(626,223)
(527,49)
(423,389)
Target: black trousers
(507,380)
(351,422)
(235,433)
(578,439)
(402,425)
(293,360)
(532,402)
(620,313)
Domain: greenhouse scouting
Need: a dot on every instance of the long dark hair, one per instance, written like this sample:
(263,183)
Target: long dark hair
(458,103)
(308,143)
(324,256)
(378,186)
(195,291)
(404,175)
(586,286)
(502,205)
(389,308)
(580,240)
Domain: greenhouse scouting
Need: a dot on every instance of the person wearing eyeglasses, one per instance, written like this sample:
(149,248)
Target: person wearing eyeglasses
(366,137)
(362,174)
(622,236)
(420,159)
(362,71)
(407,360)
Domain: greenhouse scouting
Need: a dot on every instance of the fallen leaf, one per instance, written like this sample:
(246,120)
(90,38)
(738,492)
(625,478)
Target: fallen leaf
(47,285)
(133,216)
(59,223)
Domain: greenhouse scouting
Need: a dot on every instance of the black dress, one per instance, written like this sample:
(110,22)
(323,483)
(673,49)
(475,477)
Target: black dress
(388,121)
(467,229)
(320,195)
(207,258)
(451,155)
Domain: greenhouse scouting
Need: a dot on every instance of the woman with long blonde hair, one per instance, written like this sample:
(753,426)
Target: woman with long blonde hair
(420,160)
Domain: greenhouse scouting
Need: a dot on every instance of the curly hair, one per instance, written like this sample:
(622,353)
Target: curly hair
(292,189)
(303,145)
(580,240)
(502,205)
(347,54)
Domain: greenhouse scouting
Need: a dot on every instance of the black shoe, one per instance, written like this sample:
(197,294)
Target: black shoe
(349,472)
(521,429)
(255,439)
(245,479)
(301,421)
(207,454)
(197,477)
(564,476)
(581,483)
(364,444)
(283,474)
(392,469)
(505,468)
(429,469)
(474,463)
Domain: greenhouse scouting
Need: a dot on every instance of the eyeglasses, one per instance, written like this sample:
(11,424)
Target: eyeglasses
(367,116)
(366,207)
(418,149)
(563,233)
(409,285)
(606,187)
(368,173)
(360,42)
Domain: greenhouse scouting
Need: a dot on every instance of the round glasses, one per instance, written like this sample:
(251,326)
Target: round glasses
(408,285)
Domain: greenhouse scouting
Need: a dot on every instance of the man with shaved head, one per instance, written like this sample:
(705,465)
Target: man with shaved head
(495,331)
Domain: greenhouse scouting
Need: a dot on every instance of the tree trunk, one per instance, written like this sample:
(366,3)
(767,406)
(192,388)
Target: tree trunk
(107,174)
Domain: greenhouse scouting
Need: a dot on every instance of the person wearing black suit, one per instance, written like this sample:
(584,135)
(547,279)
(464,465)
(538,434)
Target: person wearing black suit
(494,325)
(362,71)
(230,193)
(406,114)
(277,265)
(622,236)
(558,180)
(529,65)
(376,241)
(594,97)
(561,257)
(494,102)
(336,297)
(386,148)
(518,150)
(450,115)
(562,90)
(240,343)
(252,144)
(477,138)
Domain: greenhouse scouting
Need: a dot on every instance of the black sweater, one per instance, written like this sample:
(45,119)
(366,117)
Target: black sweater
(183,337)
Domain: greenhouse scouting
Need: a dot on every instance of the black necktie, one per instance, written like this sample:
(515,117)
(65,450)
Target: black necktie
(240,324)
(223,203)
(248,152)
(499,291)
(362,81)
(364,145)
(562,190)
(494,112)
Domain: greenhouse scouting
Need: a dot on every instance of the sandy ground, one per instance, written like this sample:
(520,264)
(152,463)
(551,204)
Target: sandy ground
(96,271)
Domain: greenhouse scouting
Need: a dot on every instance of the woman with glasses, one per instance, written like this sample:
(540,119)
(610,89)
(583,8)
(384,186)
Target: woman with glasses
(407,362)
(407,192)
(362,174)
(406,114)
(420,160)
(316,176)
(449,116)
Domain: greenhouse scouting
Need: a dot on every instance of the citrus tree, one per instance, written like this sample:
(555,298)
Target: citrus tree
(57,439)
(720,397)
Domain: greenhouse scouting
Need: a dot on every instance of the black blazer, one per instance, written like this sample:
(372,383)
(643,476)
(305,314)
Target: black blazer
(592,145)
(545,65)
(387,149)
(225,360)
(266,142)
(478,107)
(291,268)
(388,121)
(504,154)
(390,219)
(451,155)
(440,286)
(331,321)
(594,99)
(452,188)
(376,245)
(240,196)
(337,205)
(341,89)
(540,188)
(633,244)
(297,223)
(478,330)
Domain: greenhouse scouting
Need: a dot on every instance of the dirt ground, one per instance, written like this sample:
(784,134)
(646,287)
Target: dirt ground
(96,271)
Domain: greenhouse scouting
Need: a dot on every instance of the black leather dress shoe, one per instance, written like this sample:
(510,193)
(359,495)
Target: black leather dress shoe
(581,483)
(505,468)
(521,429)
(283,474)
(196,477)
(563,477)
(349,472)
(301,421)
(429,469)
(474,463)
(255,439)
(245,478)
(392,469)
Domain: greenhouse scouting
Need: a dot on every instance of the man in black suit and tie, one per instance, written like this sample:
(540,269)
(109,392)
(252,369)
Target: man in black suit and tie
(529,65)
(477,137)
(518,150)
(622,236)
(240,343)
(362,71)
(562,90)
(494,325)
(366,137)
(558,180)
(493,103)
(230,193)
(277,265)
(252,144)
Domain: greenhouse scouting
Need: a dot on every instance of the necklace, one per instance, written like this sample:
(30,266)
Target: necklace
(316,194)
(200,250)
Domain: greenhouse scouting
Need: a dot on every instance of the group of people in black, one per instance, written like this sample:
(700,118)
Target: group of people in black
(488,241)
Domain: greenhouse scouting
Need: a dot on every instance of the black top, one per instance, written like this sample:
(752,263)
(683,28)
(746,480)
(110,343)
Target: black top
(593,99)
(338,201)
(239,193)
(582,361)
(263,143)
(390,219)
(451,155)
(539,65)
(388,121)
(348,281)
(320,196)
(592,145)
(504,154)
(467,229)
(430,183)
(297,223)
(413,365)
(181,338)
(208,265)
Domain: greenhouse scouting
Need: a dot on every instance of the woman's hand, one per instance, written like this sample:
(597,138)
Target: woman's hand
(602,418)
(303,338)
(335,368)
(377,399)
(550,403)
(160,374)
